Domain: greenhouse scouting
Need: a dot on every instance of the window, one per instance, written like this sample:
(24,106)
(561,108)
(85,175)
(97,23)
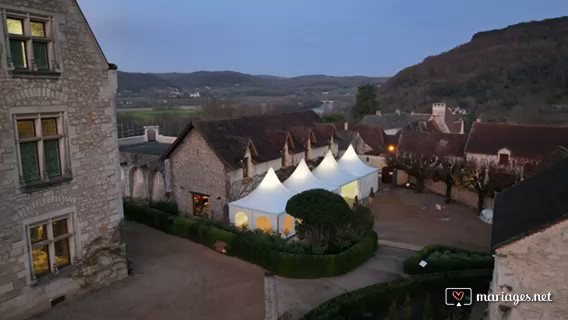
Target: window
(41,145)
(50,245)
(200,204)
(246,167)
(503,159)
(30,42)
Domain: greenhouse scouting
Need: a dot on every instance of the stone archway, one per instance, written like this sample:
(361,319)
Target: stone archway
(158,187)
(139,186)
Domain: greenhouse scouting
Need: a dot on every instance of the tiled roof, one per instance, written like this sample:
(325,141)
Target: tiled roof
(393,121)
(432,143)
(229,138)
(526,141)
(153,148)
(531,205)
(373,136)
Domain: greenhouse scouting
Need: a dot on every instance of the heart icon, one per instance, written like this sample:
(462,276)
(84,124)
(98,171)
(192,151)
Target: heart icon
(458,295)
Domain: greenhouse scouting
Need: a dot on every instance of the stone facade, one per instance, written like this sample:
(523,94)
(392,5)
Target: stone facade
(535,264)
(80,89)
(197,169)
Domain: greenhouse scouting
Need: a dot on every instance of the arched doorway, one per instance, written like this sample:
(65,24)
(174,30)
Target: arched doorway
(151,135)
(387,175)
(158,187)
(139,184)
(241,220)
(263,224)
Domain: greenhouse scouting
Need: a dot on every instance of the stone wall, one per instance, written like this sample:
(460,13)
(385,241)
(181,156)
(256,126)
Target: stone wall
(196,168)
(143,176)
(84,93)
(535,264)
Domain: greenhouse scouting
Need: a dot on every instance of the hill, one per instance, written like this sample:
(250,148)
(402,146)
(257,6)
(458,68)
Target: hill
(236,83)
(519,74)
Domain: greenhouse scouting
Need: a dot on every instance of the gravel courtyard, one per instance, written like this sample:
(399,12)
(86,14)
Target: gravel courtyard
(174,278)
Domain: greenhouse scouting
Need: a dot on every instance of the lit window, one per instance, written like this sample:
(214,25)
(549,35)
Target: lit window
(30,44)
(241,220)
(200,204)
(288,225)
(262,223)
(50,244)
(41,143)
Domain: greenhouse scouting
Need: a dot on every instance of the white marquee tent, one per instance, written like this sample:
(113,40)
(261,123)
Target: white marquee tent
(265,207)
(329,173)
(302,179)
(368,176)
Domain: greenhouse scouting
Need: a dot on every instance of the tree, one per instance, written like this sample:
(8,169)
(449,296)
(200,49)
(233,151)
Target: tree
(407,308)
(418,165)
(366,101)
(427,313)
(485,178)
(328,223)
(450,171)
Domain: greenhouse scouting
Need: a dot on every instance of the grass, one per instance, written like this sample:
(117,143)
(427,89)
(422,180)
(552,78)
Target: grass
(148,115)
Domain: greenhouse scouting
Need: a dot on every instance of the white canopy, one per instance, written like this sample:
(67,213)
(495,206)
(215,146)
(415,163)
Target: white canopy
(329,172)
(351,163)
(270,196)
(302,179)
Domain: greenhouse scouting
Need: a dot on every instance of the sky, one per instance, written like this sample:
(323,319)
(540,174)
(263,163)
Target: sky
(296,37)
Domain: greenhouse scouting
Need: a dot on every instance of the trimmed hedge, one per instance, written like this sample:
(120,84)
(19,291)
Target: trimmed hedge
(379,297)
(442,258)
(281,263)
(304,266)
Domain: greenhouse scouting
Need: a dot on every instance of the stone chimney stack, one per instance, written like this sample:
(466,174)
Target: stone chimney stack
(397,111)
(379,113)
(412,113)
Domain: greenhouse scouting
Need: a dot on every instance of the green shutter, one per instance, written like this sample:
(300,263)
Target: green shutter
(18,52)
(51,151)
(30,168)
(40,56)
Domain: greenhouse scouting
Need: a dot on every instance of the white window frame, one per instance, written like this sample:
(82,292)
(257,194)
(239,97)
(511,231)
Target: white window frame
(48,220)
(61,137)
(50,38)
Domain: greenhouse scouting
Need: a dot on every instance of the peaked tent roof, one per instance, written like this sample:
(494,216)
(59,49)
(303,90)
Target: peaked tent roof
(329,172)
(302,179)
(270,196)
(351,163)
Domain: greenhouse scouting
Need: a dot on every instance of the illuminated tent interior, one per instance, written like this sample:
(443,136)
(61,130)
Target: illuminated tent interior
(264,208)
(368,176)
(329,173)
(302,179)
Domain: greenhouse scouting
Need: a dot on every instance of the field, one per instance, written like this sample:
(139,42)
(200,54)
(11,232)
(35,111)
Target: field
(147,114)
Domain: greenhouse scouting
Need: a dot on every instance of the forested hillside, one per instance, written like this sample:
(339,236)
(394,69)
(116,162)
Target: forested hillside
(519,74)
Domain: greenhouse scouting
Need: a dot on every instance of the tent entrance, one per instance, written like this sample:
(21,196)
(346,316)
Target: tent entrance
(350,190)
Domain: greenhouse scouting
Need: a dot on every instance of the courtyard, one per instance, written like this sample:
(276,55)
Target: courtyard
(173,279)
(408,219)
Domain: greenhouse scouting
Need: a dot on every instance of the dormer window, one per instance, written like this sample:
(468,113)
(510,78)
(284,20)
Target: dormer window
(504,157)
(30,43)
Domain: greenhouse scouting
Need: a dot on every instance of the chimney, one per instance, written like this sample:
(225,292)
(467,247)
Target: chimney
(478,120)
(379,113)
(345,126)
(412,113)
(397,111)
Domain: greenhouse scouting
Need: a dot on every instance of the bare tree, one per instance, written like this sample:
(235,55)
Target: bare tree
(451,172)
(418,165)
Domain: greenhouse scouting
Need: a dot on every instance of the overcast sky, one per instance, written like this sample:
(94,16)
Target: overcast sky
(296,37)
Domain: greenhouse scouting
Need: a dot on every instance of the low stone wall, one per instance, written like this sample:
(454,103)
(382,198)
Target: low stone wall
(459,194)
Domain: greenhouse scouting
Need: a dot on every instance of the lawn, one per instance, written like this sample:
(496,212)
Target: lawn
(149,115)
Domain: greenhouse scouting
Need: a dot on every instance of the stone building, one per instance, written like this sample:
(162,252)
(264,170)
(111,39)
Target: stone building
(513,145)
(60,203)
(219,161)
(530,243)
(144,175)
(442,119)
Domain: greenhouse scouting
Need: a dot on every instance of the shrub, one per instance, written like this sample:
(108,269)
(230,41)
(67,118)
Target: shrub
(442,258)
(380,296)
(166,206)
(265,250)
